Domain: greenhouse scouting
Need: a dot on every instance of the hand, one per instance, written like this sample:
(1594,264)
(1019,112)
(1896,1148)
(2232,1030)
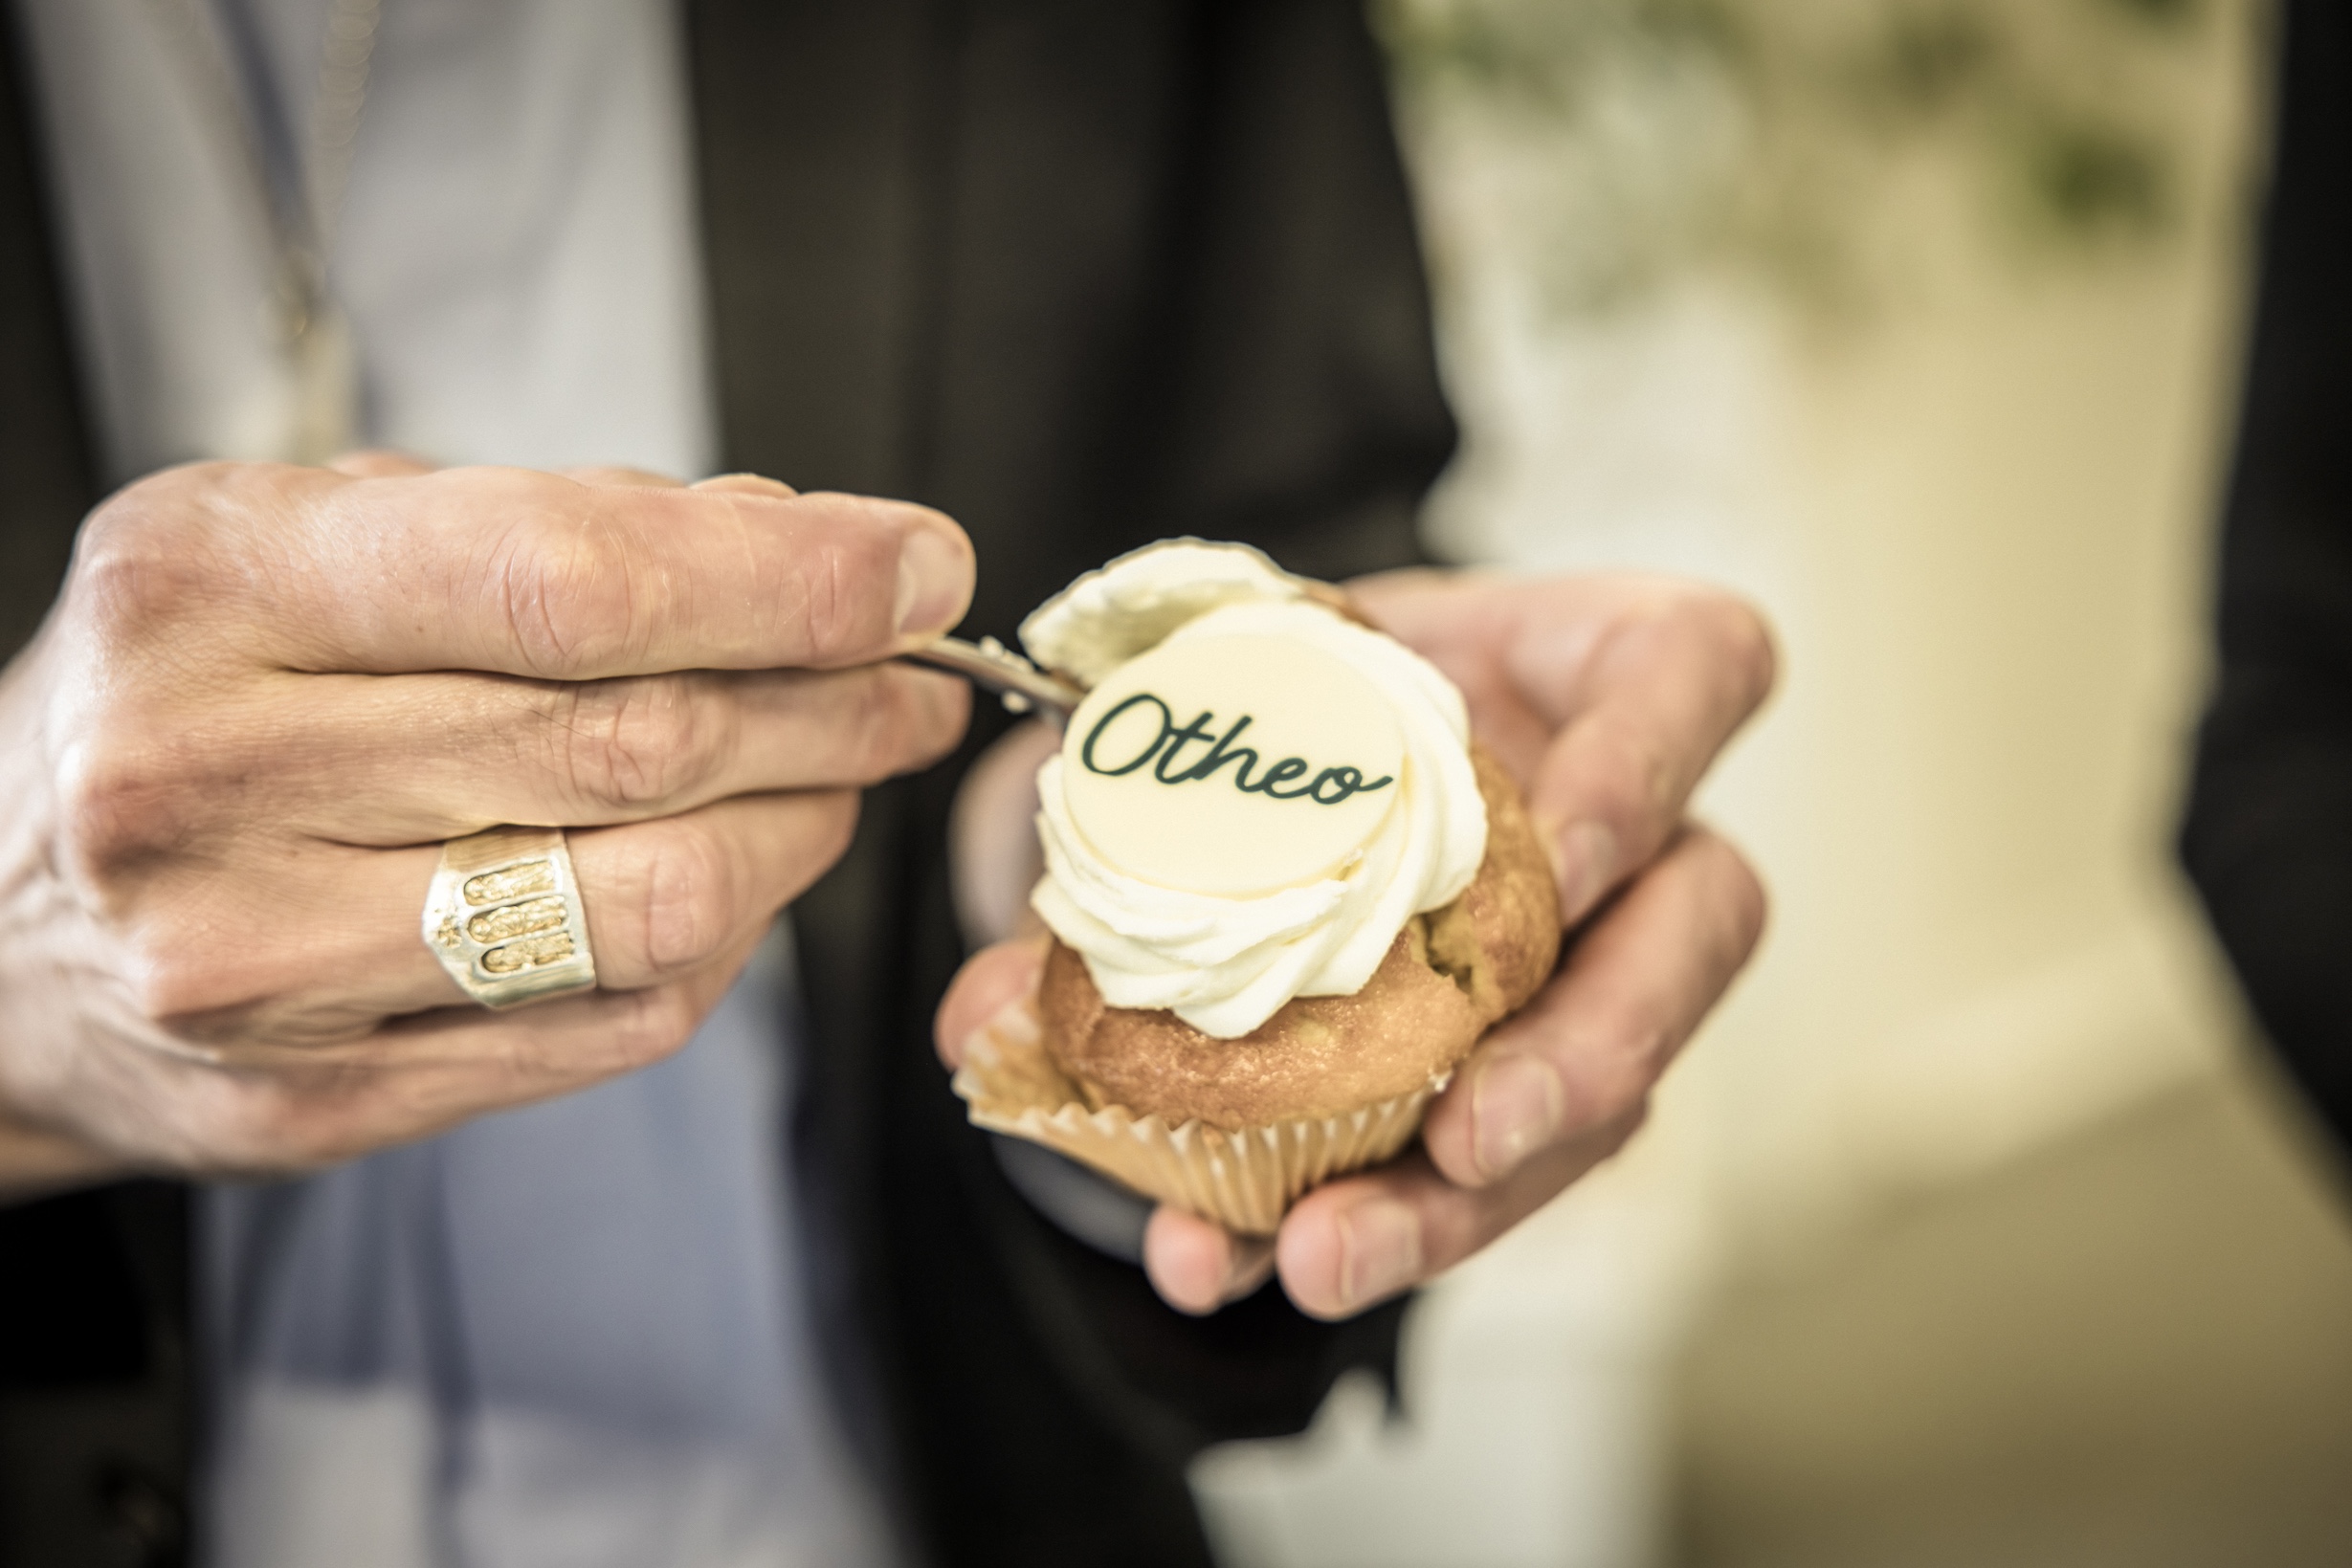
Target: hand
(269,692)
(1607,698)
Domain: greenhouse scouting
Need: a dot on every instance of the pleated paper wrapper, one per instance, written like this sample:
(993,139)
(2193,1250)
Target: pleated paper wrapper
(1245,1181)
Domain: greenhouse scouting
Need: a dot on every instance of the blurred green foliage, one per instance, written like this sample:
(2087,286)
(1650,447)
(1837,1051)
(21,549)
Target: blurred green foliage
(1678,133)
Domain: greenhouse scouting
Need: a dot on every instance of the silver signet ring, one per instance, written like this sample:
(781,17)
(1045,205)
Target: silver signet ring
(505,919)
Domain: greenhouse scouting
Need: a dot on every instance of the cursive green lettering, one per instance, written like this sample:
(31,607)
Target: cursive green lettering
(1197,730)
(1245,758)
(1086,753)
(1328,788)
(1347,780)
(1283,772)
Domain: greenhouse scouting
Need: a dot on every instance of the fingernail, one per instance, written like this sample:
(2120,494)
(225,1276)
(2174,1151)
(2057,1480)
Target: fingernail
(1380,1251)
(748,484)
(1515,1107)
(932,581)
(1587,854)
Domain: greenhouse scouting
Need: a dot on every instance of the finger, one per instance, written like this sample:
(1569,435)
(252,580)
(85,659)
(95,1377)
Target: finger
(1355,1242)
(324,943)
(665,898)
(748,484)
(301,1109)
(1588,1049)
(521,573)
(1609,696)
(1198,1267)
(378,760)
(995,990)
(1663,693)
(378,463)
(993,846)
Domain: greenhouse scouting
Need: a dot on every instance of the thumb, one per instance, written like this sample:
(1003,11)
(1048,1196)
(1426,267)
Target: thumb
(993,981)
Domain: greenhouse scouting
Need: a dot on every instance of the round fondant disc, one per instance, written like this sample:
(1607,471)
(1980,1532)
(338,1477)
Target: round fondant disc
(1232,765)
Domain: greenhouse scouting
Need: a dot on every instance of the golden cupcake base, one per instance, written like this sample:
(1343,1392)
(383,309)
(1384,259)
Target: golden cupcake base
(1243,1179)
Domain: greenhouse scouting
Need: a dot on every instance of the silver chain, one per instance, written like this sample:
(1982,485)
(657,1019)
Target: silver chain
(312,335)
(335,110)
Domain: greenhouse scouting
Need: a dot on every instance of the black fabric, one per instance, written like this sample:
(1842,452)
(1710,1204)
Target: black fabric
(1081,276)
(47,480)
(83,1321)
(95,1401)
(2268,839)
(93,1387)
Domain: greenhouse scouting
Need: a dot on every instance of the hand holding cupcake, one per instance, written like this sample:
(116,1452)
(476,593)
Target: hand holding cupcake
(1290,896)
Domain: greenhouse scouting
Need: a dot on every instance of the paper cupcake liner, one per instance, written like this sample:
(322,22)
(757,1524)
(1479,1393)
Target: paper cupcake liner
(1245,1181)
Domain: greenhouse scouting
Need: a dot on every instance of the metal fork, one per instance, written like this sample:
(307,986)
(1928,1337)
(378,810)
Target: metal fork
(990,663)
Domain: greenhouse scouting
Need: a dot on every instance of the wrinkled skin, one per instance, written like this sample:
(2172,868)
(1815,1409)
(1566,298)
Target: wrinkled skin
(268,693)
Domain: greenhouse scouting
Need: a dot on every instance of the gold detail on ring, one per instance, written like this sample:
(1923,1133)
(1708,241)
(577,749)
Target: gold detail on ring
(515,957)
(504,918)
(513,882)
(498,925)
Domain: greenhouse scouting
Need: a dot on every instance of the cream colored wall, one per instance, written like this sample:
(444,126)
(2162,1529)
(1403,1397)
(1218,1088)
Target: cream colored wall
(1980,516)
(1992,521)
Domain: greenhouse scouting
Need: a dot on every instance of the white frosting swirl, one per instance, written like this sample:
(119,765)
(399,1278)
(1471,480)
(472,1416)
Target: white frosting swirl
(1226,965)
(1111,614)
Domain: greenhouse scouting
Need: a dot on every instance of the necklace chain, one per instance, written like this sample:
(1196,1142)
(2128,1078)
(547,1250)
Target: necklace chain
(335,111)
(312,337)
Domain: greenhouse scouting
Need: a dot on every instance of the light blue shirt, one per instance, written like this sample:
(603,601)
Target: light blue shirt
(573,1334)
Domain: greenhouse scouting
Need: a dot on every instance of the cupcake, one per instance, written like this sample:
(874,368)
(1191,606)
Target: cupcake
(1287,893)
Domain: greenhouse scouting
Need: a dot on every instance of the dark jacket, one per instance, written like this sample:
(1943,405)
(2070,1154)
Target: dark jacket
(1082,276)
(2269,832)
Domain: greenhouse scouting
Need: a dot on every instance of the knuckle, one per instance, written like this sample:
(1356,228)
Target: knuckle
(904,719)
(121,802)
(841,592)
(171,546)
(546,593)
(830,603)
(686,899)
(255,1121)
(1733,633)
(139,562)
(653,1025)
(569,590)
(1631,784)
(265,1123)
(185,979)
(177,985)
(1641,1048)
(943,707)
(638,744)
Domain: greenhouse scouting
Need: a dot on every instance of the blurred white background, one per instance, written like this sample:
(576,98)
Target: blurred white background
(1973,1230)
